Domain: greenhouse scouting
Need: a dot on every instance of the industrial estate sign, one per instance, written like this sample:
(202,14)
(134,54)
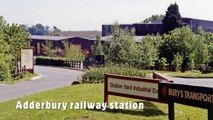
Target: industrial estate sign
(159,90)
(185,94)
(136,88)
(188,95)
(27,59)
(132,87)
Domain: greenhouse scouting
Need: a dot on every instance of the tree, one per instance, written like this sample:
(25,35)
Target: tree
(97,48)
(16,38)
(183,45)
(177,62)
(56,31)
(74,53)
(199,55)
(71,52)
(48,48)
(122,48)
(172,18)
(148,51)
(4,71)
(12,38)
(40,29)
(37,29)
(179,41)
(2,23)
(204,48)
(4,49)
(3,45)
(209,42)
(25,27)
(153,18)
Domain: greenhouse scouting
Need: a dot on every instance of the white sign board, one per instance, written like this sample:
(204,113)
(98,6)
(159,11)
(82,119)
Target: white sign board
(27,58)
(136,88)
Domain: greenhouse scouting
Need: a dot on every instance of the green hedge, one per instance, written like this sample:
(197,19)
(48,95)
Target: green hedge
(50,61)
(96,74)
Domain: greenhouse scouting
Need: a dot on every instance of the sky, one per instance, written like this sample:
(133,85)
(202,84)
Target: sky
(78,15)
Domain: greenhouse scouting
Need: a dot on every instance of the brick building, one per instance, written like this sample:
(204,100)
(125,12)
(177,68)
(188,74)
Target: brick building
(82,43)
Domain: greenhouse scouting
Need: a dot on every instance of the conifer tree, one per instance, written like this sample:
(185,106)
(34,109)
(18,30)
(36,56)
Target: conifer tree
(172,18)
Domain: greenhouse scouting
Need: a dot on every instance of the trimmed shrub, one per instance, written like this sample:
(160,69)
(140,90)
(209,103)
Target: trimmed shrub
(96,74)
(50,61)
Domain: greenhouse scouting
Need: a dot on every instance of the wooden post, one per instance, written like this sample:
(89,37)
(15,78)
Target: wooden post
(171,110)
(105,90)
(81,65)
(210,112)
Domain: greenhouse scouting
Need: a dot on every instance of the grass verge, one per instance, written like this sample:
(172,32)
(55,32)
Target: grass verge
(93,93)
(26,77)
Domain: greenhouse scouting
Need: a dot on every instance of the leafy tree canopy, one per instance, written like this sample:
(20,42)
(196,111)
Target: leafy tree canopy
(148,51)
(40,29)
(12,38)
(97,48)
(72,52)
(122,48)
(37,29)
(153,18)
(184,49)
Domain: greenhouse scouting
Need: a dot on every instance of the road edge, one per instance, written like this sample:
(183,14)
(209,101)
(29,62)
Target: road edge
(36,77)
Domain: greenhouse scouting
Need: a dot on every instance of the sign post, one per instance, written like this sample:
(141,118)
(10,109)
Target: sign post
(171,110)
(210,112)
(27,59)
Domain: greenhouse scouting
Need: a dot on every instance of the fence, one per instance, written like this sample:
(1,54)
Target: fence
(16,73)
(64,63)
(74,64)
(87,64)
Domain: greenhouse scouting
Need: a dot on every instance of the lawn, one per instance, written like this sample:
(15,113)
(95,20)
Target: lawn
(93,93)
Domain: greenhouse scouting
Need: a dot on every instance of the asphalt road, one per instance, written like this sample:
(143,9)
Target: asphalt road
(51,78)
(205,82)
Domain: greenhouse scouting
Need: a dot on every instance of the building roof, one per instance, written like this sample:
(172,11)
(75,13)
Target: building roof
(136,38)
(196,19)
(81,33)
(56,38)
(44,37)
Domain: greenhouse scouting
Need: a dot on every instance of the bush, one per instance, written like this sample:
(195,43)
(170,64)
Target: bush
(72,52)
(161,64)
(96,74)
(177,62)
(4,71)
(50,61)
